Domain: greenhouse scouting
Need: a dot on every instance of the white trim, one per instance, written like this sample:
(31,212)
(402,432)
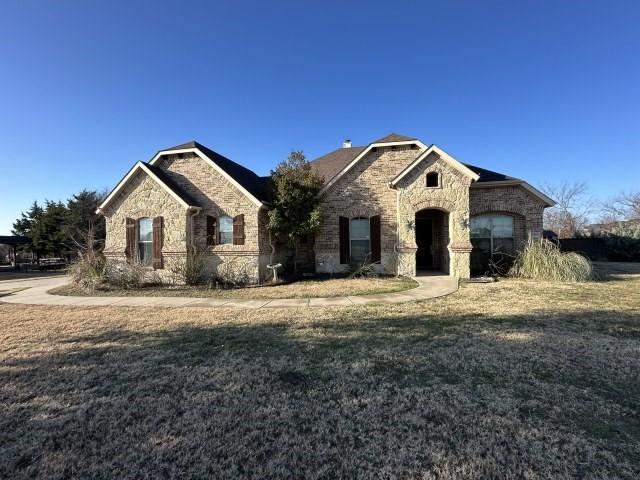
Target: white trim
(199,152)
(549,202)
(361,155)
(137,167)
(443,155)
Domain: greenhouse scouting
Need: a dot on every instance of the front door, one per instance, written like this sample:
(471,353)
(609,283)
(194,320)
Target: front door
(424,241)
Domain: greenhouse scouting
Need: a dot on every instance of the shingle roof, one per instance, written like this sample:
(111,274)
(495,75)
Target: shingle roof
(394,137)
(330,164)
(254,184)
(173,186)
(488,175)
(327,166)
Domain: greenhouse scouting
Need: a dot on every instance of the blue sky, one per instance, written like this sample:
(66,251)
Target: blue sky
(543,90)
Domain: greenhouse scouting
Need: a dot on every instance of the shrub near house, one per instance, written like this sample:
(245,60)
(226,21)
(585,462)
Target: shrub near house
(404,204)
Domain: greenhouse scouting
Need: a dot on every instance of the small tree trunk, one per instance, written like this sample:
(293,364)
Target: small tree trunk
(295,259)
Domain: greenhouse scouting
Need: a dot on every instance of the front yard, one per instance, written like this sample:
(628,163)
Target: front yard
(514,379)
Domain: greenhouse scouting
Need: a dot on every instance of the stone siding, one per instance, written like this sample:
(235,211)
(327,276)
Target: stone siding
(450,196)
(143,197)
(363,192)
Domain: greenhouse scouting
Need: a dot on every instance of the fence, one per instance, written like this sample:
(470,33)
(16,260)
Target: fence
(610,248)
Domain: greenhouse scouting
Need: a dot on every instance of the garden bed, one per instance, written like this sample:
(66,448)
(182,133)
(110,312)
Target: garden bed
(307,288)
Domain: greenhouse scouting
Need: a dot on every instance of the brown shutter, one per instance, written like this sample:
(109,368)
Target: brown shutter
(344,239)
(157,242)
(211,230)
(374,237)
(130,241)
(238,230)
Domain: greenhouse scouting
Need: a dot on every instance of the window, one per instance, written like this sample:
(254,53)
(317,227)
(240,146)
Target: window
(433,179)
(145,241)
(226,229)
(492,234)
(359,236)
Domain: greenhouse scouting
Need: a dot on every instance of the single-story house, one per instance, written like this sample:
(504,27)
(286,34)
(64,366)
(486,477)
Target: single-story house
(398,202)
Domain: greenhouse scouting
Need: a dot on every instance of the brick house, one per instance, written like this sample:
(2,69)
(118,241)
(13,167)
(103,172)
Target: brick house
(398,202)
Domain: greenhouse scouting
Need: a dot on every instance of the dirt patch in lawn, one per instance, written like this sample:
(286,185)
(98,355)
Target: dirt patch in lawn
(312,288)
(514,379)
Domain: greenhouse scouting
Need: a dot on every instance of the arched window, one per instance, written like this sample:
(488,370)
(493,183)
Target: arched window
(226,230)
(492,233)
(145,241)
(359,237)
(433,179)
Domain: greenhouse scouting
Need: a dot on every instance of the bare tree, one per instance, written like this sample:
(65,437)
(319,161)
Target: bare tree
(571,213)
(625,206)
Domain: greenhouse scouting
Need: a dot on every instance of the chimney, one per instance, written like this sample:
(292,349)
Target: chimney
(346,143)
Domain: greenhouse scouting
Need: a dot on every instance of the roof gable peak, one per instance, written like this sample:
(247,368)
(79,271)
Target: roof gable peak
(395,137)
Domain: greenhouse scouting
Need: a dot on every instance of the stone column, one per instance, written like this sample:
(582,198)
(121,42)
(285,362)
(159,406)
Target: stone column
(407,259)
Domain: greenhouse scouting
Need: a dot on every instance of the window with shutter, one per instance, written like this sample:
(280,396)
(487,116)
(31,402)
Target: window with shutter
(360,241)
(225,230)
(238,230)
(144,253)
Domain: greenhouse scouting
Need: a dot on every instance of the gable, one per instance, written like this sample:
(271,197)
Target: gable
(429,153)
(140,169)
(212,190)
(246,181)
(398,146)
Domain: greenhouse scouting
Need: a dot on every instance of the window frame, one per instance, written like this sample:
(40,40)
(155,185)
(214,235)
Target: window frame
(432,175)
(221,230)
(359,239)
(492,236)
(139,251)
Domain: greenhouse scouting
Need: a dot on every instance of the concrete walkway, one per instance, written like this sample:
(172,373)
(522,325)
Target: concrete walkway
(35,293)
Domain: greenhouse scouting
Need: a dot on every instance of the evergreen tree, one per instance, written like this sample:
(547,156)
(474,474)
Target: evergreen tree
(295,211)
(84,225)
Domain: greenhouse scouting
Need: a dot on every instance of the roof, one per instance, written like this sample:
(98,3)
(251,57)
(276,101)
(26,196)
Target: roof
(172,185)
(394,137)
(330,164)
(488,175)
(254,184)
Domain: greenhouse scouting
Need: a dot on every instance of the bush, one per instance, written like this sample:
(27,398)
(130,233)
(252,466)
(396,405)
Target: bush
(188,271)
(88,272)
(366,269)
(234,272)
(543,260)
(125,275)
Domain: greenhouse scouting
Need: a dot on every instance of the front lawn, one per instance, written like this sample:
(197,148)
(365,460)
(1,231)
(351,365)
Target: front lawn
(514,379)
(312,288)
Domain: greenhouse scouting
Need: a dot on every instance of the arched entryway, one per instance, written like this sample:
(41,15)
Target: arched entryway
(432,239)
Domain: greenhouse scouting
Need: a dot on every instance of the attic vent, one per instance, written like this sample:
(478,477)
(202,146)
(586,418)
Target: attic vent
(346,143)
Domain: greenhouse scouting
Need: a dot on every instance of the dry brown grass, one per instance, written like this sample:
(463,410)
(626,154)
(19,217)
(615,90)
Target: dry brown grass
(508,380)
(313,288)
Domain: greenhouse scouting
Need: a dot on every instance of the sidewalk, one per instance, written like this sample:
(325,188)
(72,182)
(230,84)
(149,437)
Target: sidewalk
(35,293)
